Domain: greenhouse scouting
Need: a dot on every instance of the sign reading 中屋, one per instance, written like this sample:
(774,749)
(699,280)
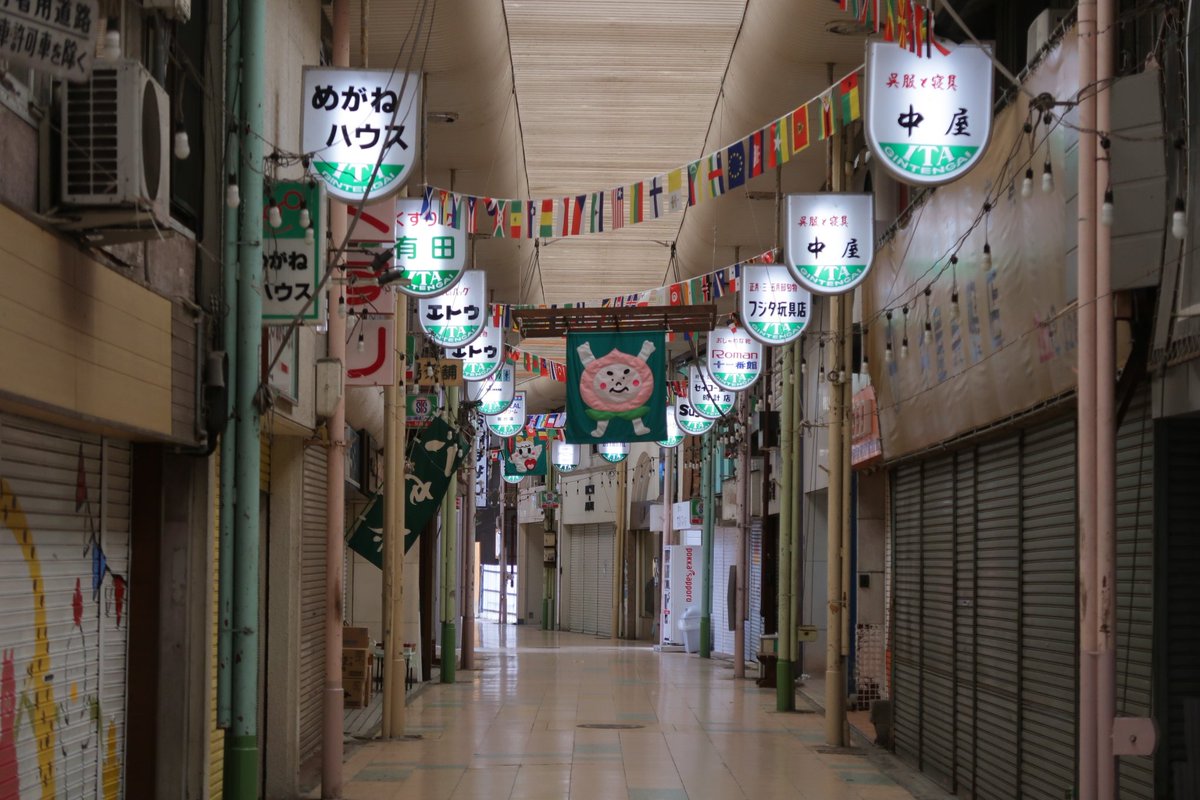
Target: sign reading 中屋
(707,398)
(457,316)
(830,240)
(431,253)
(495,394)
(509,421)
(674,434)
(734,358)
(928,120)
(774,307)
(55,38)
(482,357)
(613,452)
(689,420)
(351,118)
(291,261)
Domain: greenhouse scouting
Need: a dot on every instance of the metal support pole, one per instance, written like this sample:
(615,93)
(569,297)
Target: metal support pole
(707,470)
(547,572)
(504,486)
(242,747)
(785,692)
(395,448)
(834,679)
(796,531)
(743,537)
(229,341)
(467,659)
(668,534)
(618,573)
(449,560)
(1086,441)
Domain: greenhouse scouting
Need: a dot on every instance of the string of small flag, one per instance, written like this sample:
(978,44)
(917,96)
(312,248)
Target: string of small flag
(704,179)
(905,22)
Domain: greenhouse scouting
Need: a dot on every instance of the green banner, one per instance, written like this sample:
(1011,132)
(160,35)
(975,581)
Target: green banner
(435,456)
(526,455)
(616,387)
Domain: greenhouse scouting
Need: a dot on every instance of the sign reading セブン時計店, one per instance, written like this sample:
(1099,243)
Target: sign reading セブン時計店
(928,120)
(830,240)
(353,116)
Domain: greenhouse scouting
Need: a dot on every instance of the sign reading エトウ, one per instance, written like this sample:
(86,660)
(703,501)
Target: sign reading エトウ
(704,395)
(830,240)
(353,116)
(928,120)
(734,358)
(431,253)
(292,263)
(482,357)
(774,307)
(457,316)
(511,420)
(494,394)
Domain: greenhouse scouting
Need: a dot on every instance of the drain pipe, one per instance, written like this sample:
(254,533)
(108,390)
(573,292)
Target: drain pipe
(241,778)
(707,468)
(449,560)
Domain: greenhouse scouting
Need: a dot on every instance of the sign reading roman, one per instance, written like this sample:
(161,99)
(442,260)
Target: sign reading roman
(351,118)
(774,306)
(431,253)
(616,387)
(482,357)
(830,239)
(707,398)
(928,120)
(457,316)
(674,434)
(291,258)
(690,422)
(509,421)
(734,358)
(495,394)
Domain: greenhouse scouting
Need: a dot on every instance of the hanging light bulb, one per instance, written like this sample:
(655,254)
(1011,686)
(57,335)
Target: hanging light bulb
(112,40)
(233,197)
(928,335)
(1106,209)
(1047,179)
(1027,184)
(987,257)
(1179,220)
(803,365)
(342,306)
(887,352)
(310,238)
(362,341)
(954,302)
(305,217)
(182,148)
(863,345)
(904,347)
(274,215)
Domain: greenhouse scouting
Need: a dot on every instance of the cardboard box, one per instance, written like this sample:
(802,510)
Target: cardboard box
(356,692)
(355,638)
(356,663)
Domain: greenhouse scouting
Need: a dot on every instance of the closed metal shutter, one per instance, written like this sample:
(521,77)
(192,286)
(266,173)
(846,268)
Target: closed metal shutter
(64,563)
(754,625)
(965,662)
(576,576)
(724,557)
(906,647)
(606,538)
(937,618)
(312,600)
(216,734)
(592,579)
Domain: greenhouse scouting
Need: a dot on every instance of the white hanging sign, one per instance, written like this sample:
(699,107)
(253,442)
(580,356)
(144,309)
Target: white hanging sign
(707,398)
(565,457)
(513,478)
(774,306)
(350,118)
(613,452)
(291,256)
(431,253)
(495,394)
(689,421)
(830,240)
(511,420)
(482,357)
(928,120)
(459,315)
(674,433)
(734,358)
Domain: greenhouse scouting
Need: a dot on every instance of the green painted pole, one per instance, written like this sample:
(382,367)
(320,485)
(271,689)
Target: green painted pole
(548,572)
(785,693)
(449,560)
(233,54)
(707,469)
(242,747)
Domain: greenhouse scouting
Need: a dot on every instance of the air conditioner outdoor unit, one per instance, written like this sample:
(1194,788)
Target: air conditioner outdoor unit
(116,148)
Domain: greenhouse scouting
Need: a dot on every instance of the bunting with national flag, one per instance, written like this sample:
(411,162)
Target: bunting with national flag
(800,129)
(848,94)
(716,176)
(618,208)
(695,190)
(547,221)
(827,119)
(635,203)
(735,165)
(655,200)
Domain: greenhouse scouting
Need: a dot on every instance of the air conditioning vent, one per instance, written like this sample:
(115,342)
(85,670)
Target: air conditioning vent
(115,148)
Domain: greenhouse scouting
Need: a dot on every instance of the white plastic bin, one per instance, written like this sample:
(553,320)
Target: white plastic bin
(689,626)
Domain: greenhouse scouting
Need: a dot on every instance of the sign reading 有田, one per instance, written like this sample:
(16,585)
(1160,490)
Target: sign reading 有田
(429,251)
(830,239)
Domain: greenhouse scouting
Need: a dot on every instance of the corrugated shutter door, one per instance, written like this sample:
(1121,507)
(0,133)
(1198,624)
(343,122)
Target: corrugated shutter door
(312,600)
(906,647)
(591,578)
(575,580)
(754,626)
(606,537)
(937,619)
(722,639)
(1047,613)
(965,660)
(216,735)
(63,635)
(996,585)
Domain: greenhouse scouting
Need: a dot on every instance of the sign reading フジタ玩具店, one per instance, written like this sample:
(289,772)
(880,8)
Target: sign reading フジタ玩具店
(352,118)
(457,316)
(734,358)
(430,252)
(830,240)
(774,307)
(928,120)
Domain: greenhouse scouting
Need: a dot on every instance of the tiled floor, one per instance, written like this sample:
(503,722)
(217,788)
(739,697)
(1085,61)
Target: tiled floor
(512,729)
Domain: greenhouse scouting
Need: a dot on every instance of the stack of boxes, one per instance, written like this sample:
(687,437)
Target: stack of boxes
(356,667)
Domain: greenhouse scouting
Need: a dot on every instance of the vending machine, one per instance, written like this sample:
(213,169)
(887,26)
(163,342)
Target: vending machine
(680,588)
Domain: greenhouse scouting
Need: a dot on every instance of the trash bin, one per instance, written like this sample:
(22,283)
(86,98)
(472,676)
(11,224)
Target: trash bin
(689,626)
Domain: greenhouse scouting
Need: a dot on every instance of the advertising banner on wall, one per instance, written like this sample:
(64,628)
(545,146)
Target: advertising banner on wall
(457,316)
(773,305)
(370,347)
(830,240)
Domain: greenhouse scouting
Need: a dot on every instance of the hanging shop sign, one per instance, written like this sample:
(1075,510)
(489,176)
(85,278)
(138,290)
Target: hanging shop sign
(707,398)
(55,38)
(613,452)
(508,422)
(482,357)
(457,316)
(774,306)
(565,457)
(513,478)
(495,394)
(616,387)
(352,118)
(674,434)
(419,410)
(482,439)
(690,422)
(830,240)
(430,252)
(526,454)
(370,344)
(734,358)
(291,255)
(928,120)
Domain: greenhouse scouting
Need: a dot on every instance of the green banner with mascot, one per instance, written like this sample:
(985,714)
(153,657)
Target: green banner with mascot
(616,387)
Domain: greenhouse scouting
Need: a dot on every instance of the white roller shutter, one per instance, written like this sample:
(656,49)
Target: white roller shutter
(754,625)
(724,557)
(590,578)
(64,563)
(606,537)
(576,578)
(312,600)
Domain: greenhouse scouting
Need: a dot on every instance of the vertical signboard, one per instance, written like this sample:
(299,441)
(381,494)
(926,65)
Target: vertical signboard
(430,252)
(830,240)
(291,255)
(734,358)
(774,306)
(494,394)
(482,440)
(482,357)
(511,420)
(457,316)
